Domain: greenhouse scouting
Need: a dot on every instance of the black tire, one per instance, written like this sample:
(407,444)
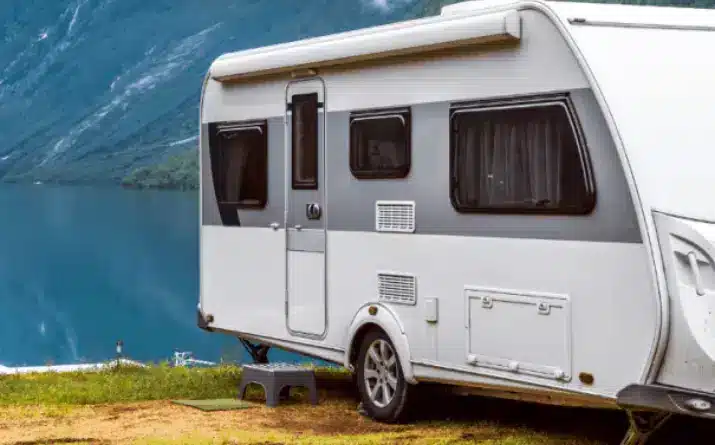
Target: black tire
(394,411)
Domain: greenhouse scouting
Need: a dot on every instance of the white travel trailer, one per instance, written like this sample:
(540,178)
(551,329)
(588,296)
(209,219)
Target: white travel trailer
(513,196)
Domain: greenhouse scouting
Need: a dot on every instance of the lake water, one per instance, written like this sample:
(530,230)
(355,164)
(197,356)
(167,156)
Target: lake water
(83,267)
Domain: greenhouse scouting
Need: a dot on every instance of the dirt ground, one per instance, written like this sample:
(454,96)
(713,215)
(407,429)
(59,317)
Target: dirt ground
(127,423)
(167,422)
(334,420)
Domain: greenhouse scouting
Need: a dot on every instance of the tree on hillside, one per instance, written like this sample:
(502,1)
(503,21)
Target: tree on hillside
(178,172)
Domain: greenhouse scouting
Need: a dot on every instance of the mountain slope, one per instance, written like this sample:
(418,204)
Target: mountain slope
(92,89)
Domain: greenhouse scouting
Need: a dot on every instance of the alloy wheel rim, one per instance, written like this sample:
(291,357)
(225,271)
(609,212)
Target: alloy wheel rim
(380,373)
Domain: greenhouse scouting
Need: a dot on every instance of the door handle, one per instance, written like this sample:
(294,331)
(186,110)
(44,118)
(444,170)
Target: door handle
(275,225)
(297,227)
(312,210)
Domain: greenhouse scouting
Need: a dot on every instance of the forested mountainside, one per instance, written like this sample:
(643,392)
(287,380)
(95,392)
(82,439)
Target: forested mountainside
(108,90)
(91,90)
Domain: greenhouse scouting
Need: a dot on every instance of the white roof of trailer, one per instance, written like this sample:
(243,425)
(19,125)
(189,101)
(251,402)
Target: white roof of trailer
(470,21)
(599,12)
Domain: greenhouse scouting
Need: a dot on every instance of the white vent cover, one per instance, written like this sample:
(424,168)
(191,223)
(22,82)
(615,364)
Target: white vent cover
(397,287)
(395,216)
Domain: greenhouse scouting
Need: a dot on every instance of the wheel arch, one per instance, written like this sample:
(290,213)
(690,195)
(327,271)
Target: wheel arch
(380,317)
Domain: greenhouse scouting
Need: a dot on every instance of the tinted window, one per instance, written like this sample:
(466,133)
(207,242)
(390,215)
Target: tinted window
(380,144)
(305,141)
(518,159)
(239,164)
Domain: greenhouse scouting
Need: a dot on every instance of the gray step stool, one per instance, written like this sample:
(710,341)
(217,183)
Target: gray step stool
(277,379)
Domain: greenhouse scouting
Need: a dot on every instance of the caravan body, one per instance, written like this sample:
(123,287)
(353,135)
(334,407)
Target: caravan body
(513,196)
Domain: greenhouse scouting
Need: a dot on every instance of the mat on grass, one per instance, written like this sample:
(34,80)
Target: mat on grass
(216,404)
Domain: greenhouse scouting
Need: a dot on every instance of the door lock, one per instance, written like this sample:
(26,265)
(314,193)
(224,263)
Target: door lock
(312,210)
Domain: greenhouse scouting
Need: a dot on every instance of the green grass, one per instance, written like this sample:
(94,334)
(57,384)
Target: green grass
(98,407)
(126,384)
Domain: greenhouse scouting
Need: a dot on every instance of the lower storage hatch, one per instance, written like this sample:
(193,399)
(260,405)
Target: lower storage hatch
(519,332)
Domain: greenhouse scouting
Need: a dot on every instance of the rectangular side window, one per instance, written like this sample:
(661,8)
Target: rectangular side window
(519,158)
(380,144)
(305,141)
(239,163)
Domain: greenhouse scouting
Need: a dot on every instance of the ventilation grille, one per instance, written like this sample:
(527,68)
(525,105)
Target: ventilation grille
(395,216)
(397,288)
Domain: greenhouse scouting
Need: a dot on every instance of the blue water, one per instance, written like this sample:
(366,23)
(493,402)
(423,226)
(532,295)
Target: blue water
(82,267)
(84,101)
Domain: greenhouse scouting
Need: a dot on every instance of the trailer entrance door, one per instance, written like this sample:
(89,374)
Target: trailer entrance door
(305,214)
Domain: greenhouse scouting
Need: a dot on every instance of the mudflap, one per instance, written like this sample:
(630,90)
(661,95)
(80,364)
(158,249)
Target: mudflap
(651,406)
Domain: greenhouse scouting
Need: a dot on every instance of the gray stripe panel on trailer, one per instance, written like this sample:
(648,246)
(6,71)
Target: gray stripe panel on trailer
(351,202)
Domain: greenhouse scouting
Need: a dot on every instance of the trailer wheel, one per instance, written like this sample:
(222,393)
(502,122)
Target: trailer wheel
(381,384)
